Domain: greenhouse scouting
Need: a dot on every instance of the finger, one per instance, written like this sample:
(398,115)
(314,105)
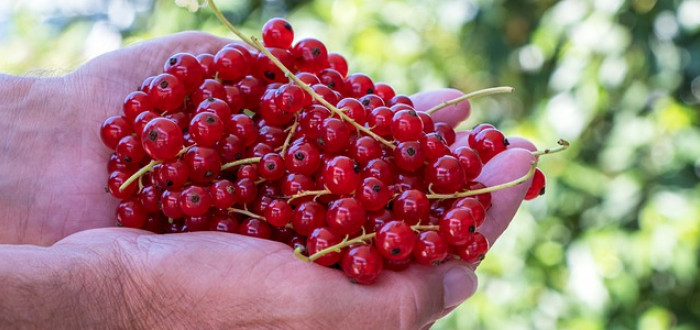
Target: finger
(506,166)
(127,67)
(451,114)
(516,142)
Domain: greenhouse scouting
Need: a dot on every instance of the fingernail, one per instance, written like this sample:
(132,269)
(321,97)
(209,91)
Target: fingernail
(459,284)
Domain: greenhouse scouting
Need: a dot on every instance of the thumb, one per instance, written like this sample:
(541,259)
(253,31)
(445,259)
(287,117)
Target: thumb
(420,295)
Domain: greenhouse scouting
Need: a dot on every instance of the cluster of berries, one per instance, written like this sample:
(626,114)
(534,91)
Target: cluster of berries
(280,142)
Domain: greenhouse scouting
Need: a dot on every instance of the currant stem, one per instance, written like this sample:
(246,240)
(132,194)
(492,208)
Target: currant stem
(228,24)
(475,94)
(243,161)
(563,145)
(468,193)
(347,242)
(314,193)
(149,167)
(246,212)
(318,98)
(289,135)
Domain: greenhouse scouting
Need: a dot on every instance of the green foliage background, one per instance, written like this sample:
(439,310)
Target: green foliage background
(614,242)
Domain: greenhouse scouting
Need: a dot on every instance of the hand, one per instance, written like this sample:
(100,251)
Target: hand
(225,280)
(54,172)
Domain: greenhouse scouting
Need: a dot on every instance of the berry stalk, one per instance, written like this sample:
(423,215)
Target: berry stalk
(318,98)
(468,193)
(244,161)
(563,145)
(149,167)
(347,242)
(246,213)
(314,193)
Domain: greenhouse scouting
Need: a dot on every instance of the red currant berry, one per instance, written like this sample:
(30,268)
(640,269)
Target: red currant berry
(224,223)
(488,143)
(428,124)
(409,155)
(337,62)
(310,55)
(358,85)
(195,201)
(230,148)
(243,127)
(129,150)
(395,240)
(385,91)
(430,248)
(471,138)
(171,174)
(255,228)
(470,162)
(162,139)
(204,164)
(362,264)
(266,70)
(206,61)
(345,216)
(406,126)
(289,98)
(308,216)
(223,194)
(447,132)
(457,225)
(187,69)
(537,185)
(278,213)
(200,223)
(322,238)
(136,103)
(277,32)
(341,175)
(335,135)
(234,98)
(131,214)
(474,206)
(400,99)
(434,146)
(246,191)
(373,194)
(271,167)
(474,249)
(217,106)
(252,89)
(380,169)
(116,180)
(411,206)
(365,149)
(170,203)
(230,64)
(166,92)
(113,130)
(445,175)
(294,183)
(149,197)
(311,121)
(302,158)
(206,129)
(210,88)
(485,198)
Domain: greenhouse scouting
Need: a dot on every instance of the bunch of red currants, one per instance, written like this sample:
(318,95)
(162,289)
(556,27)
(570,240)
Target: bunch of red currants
(277,141)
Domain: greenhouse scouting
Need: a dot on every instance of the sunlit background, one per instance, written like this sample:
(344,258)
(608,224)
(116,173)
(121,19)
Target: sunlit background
(614,242)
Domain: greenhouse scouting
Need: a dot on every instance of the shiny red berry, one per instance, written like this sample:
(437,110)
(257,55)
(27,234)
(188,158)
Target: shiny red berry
(457,225)
(131,214)
(430,248)
(341,175)
(406,126)
(345,216)
(411,206)
(167,92)
(362,264)
(395,240)
(114,129)
(195,201)
(277,32)
(322,238)
(474,249)
(308,216)
(537,185)
(162,139)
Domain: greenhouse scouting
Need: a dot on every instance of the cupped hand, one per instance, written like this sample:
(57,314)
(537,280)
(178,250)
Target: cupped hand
(219,280)
(53,181)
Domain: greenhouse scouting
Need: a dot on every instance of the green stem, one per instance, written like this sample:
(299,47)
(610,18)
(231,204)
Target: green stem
(468,193)
(244,161)
(563,145)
